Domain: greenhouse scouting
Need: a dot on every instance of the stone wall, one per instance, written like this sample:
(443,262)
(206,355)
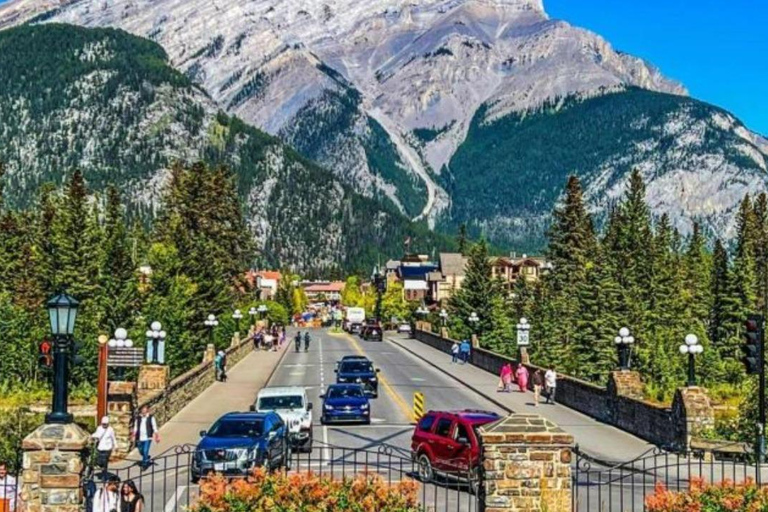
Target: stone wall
(165,404)
(620,403)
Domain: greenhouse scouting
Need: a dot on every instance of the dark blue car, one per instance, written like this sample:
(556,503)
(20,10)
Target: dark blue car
(240,441)
(359,371)
(345,403)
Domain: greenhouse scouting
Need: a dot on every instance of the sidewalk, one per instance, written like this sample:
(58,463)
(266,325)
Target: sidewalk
(244,381)
(601,441)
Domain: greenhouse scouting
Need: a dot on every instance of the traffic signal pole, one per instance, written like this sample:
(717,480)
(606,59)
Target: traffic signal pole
(761,397)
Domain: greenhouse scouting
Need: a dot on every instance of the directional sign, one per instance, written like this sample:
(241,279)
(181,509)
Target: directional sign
(522,337)
(124,357)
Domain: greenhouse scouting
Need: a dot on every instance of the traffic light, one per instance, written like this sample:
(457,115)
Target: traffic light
(753,346)
(44,354)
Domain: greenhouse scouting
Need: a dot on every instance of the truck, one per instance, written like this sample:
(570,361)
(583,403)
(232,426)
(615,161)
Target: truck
(355,318)
(295,410)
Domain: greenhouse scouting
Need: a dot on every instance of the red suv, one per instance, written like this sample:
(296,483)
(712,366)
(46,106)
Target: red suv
(447,444)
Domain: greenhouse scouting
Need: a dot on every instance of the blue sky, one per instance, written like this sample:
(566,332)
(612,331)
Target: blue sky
(717,48)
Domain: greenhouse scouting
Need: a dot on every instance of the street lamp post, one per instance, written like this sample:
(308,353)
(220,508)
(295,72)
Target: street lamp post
(120,340)
(62,313)
(691,347)
(623,342)
(237,315)
(473,320)
(443,321)
(523,336)
(211,322)
(379,282)
(263,310)
(156,343)
(253,312)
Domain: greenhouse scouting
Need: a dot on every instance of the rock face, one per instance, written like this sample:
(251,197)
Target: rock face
(385,93)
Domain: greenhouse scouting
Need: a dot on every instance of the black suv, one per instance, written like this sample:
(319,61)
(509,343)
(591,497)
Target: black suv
(359,371)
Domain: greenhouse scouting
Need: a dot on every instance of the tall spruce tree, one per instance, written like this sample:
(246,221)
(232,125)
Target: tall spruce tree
(117,276)
(478,291)
(745,283)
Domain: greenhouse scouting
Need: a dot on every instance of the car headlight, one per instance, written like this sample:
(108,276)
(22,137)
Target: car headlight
(364,407)
(328,407)
(358,379)
(373,379)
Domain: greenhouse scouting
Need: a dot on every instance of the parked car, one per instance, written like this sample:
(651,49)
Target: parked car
(446,444)
(347,403)
(239,441)
(359,371)
(404,327)
(372,332)
(295,410)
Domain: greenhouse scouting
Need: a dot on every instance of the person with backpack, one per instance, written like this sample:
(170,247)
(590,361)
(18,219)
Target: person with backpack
(221,366)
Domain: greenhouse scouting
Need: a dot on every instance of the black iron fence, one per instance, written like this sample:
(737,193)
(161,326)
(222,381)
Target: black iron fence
(624,487)
(171,484)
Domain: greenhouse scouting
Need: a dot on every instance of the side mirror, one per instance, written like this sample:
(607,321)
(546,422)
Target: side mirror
(322,396)
(252,408)
(463,440)
(378,370)
(309,406)
(203,433)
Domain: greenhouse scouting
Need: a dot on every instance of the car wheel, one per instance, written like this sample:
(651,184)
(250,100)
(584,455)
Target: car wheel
(474,481)
(367,421)
(322,420)
(195,479)
(426,474)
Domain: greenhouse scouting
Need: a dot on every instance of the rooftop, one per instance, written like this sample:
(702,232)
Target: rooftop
(282,391)
(452,263)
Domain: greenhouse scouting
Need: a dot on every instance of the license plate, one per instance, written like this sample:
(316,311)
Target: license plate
(218,466)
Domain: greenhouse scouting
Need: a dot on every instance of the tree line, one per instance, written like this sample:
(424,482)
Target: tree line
(640,273)
(190,263)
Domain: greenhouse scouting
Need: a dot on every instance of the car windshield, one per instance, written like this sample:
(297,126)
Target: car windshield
(276,403)
(345,392)
(237,428)
(356,367)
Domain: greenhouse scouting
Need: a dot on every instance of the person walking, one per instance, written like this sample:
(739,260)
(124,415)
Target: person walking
(105,442)
(464,349)
(282,336)
(306,341)
(106,498)
(455,352)
(521,375)
(145,431)
(297,341)
(538,384)
(550,381)
(221,366)
(10,491)
(505,378)
(131,499)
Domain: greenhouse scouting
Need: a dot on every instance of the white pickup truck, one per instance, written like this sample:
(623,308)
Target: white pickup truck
(295,410)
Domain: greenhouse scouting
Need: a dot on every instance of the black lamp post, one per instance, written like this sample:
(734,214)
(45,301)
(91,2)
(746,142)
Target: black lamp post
(473,321)
(623,342)
(263,311)
(380,283)
(62,313)
(691,347)
(211,322)
(253,312)
(237,315)
(156,343)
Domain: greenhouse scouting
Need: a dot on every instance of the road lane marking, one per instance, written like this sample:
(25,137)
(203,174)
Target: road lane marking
(404,407)
(326,455)
(172,503)
(417,379)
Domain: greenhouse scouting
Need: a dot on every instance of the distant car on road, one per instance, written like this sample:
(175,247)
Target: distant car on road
(447,444)
(359,371)
(240,441)
(404,327)
(295,410)
(372,332)
(351,358)
(345,403)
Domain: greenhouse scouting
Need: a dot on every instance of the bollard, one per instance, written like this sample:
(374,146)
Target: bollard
(418,406)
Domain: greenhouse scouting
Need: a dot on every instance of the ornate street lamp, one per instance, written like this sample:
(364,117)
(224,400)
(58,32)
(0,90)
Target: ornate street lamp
(120,340)
(253,312)
(380,285)
(211,322)
(62,313)
(691,347)
(156,343)
(263,311)
(623,343)
(443,316)
(237,315)
(473,320)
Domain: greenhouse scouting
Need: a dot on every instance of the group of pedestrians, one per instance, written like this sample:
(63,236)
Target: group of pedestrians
(113,497)
(298,339)
(544,383)
(269,339)
(144,431)
(460,352)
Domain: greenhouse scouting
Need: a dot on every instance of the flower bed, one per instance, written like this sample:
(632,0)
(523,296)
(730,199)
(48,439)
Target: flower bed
(700,497)
(305,492)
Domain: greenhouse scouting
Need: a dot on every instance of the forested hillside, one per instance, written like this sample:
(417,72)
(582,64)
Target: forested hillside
(506,177)
(107,103)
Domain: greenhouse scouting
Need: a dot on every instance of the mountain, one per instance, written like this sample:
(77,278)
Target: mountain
(392,95)
(107,102)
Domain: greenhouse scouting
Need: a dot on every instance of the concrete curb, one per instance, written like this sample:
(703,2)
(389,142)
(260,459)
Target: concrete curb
(592,458)
(279,362)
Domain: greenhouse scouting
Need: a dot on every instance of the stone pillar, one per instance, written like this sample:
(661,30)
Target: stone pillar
(527,462)
(692,413)
(524,357)
(475,341)
(153,378)
(626,383)
(121,408)
(235,340)
(210,353)
(52,468)
(443,332)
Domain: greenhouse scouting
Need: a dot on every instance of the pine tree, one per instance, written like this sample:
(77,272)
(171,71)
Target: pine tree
(461,240)
(744,283)
(284,294)
(698,268)
(117,276)
(72,256)
(477,293)
(761,250)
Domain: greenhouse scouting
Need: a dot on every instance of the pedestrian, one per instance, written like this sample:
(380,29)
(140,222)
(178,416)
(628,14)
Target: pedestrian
(105,443)
(106,498)
(464,349)
(454,352)
(282,336)
(505,378)
(131,499)
(221,366)
(538,384)
(550,381)
(10,493)
(521,375)
(306,341)
(297,341)
(145,431)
